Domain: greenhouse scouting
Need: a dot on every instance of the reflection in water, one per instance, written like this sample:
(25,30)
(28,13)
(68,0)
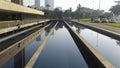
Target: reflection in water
(24,56)
(118,42)
(38,38)
(77,26)
(60,51)
(18,61)
(9,64)
(48,29)
(104,44)
(59,26)
(97,40)
(52,33)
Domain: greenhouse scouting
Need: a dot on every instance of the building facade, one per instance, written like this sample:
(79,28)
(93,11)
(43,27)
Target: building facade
(18,1)
(49,4)
(37,4)
(8,0)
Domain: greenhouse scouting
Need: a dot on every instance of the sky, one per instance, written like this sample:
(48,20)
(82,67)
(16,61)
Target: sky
(66,4)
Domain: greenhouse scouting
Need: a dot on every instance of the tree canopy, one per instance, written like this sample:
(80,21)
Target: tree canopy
(80,12)
(115,9)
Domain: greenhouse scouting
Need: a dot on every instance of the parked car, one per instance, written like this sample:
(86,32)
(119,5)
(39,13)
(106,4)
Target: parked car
(96,20)
(104,20)
(113,20)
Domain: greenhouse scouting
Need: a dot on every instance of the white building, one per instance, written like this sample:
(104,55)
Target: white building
(37,4)
(116,19)
(49,4)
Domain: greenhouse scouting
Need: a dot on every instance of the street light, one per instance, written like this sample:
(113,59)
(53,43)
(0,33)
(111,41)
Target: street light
(99,4)
(99,13)
(93,4)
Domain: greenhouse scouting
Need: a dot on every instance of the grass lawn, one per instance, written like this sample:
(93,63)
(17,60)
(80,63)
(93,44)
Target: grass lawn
(112,24)
(109,24)
(86,20)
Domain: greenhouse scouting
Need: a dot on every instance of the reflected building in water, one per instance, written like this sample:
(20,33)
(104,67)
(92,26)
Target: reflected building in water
(59,25)
(77,26)
(18,61)
(38,38)
(48,29)
(118,42)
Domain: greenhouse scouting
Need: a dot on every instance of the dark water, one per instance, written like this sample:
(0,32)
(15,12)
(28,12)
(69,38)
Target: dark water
(29,50)
(9,64)
(60,52)
(108,47)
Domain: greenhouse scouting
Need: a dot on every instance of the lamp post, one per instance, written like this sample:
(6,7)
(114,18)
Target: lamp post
(93,4)
(99,15)
(99,4)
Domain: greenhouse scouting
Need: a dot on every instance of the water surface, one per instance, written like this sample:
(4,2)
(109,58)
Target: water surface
(60,51)
(107,46)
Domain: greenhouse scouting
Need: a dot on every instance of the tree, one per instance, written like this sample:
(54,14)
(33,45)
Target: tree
(107,15)
(97,13)
(78,14)
(67,13)
(48,6)
(57,13)
(48,14)
(78,8)
(70,11)
(115,9)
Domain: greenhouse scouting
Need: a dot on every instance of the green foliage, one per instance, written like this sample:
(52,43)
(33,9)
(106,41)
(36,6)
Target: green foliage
(112,24)
(107,15)
(86,19)
(67,13)
(57,14)
(48,14)
(80,12)
(115,9)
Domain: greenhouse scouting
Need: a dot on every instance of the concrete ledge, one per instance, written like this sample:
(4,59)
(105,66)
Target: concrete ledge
(93,58)
(12,7)
(12,50)
(104,31)
(11,26)
(34,58)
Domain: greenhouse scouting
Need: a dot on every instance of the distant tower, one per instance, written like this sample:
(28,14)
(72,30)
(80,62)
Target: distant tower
(49,4)
(37,4)
(18,1)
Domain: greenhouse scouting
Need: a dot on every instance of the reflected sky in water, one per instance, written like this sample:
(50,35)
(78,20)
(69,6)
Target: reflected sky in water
(9,64)
(30,49)
(60,51)
(34,45)
(107,46)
